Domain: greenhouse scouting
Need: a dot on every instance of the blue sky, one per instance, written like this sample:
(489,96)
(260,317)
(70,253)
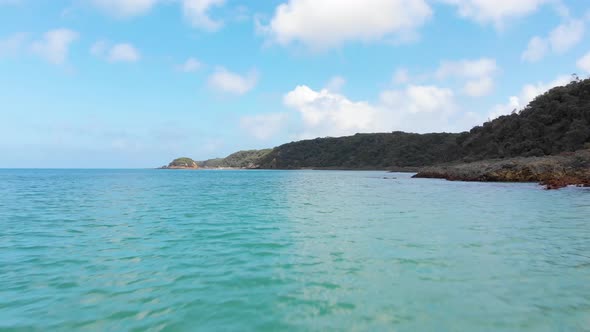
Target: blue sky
(135,83)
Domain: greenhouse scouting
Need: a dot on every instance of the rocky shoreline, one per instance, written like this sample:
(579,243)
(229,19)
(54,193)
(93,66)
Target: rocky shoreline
(553,172)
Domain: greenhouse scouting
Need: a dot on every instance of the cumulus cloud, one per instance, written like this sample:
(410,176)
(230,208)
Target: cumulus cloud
(415,99)
(329,114)
(496,12)
(584,63)
(125,8)
(263,126)
(478,73)
(566,35)
(560,40)
(527,94)
(226,81)
(190,65)
(55,45)
(122,52)
(329,23)
(197,13)
(480,87)
(417,108)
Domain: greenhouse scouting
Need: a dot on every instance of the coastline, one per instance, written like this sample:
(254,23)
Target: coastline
(367,169)
(553,172)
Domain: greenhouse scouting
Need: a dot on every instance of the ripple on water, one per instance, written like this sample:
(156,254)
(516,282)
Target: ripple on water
(144,250)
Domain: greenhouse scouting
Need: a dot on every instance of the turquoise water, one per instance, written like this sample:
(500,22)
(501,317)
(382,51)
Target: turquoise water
(149,250)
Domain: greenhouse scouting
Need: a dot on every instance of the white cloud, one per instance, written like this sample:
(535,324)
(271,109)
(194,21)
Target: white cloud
(125,8)
(467,68)
(560,40)
(514,104)
(527,94)
(54,46)
(196,11)
(479,87)
(421,108)
(13,44)
(329,23)
(329,114)
(190,65)
(530,91)
(566,36)
(536,49)
(416,108)
(122,52)
(420,99)
(584,62)
(336,83)
(495,11)
(478,73)
(263,126)
(226,81)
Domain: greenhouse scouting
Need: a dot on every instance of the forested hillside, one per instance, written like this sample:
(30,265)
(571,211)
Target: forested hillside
(381,150)
(557,121)
(554,122)
(240,159)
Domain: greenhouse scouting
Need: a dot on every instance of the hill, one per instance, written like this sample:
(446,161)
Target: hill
(555,122)
(240,159)
(181,163)
(365,151)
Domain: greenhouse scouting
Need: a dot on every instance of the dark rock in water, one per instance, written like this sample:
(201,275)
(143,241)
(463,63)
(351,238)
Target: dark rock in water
(553,172)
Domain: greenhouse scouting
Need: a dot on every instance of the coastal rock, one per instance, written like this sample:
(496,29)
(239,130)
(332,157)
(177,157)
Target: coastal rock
(553,172)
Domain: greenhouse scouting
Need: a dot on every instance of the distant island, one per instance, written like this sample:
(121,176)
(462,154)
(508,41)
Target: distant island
(548,142)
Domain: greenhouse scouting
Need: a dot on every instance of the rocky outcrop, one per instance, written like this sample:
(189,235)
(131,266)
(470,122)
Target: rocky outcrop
(553,172)
(181,163)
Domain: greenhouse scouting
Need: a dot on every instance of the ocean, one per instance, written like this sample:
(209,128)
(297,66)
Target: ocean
(162,250)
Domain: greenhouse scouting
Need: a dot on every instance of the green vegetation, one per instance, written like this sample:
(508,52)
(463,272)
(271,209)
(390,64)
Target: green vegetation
(365,151)
(183,162)
(555,122)
(240,159)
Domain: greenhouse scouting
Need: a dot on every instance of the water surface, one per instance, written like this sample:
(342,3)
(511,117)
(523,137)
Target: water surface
(149,250)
